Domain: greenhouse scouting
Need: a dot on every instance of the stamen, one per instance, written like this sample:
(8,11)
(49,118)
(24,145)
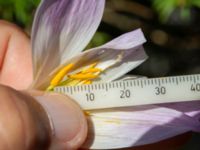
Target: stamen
(74,82)
(91,70)
(93,65)
(65,82)
(59,76)
(87,82)
(50,88)
(83,76)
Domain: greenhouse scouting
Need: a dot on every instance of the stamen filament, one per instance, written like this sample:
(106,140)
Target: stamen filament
(50,88)
(74,82)
(93,65)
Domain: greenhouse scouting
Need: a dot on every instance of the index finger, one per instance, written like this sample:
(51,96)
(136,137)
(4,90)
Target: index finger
(15,57)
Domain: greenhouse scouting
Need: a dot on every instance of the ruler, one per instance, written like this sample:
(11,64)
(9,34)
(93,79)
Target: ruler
(135,92)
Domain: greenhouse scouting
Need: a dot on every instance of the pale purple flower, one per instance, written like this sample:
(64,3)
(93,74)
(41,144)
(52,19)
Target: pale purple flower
(62,29)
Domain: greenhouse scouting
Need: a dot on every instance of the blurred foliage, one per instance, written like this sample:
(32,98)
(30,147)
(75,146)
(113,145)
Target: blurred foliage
(19,11)
(99,39)
(165,8)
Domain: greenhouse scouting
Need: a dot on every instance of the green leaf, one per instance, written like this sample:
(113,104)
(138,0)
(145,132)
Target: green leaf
(164,8)
(18,11)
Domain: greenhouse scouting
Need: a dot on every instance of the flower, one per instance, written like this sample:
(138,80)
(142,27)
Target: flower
(61,30)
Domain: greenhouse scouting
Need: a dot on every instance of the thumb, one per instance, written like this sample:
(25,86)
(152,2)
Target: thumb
(68,123)
(39,122)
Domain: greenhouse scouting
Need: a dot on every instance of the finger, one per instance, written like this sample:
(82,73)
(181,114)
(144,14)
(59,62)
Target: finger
(50,122)
(69,126)
(15,57)
(23,122)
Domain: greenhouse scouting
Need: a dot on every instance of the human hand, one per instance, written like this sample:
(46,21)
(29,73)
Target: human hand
(32,120)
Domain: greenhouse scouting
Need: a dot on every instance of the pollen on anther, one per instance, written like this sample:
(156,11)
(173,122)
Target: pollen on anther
(83,76)
(59,76)
(87,82)
(91,70)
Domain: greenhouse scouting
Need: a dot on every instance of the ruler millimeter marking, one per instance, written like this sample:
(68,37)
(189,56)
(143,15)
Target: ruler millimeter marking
(134,92)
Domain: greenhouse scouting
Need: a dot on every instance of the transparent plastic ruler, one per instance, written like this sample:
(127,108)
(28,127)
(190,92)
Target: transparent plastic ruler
(135,92)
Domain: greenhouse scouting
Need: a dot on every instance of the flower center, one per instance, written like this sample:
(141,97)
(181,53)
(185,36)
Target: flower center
(84,76)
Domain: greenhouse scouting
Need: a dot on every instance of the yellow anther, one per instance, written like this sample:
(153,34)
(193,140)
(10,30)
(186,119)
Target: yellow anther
(73,83)
(60,75)
(91,70)
(83,76)
(65,82)
(87,82)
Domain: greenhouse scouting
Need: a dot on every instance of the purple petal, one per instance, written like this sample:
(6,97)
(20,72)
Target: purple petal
(62,28)
(191,109)
(132,59)
(126,41)
(130,44)
(128,127)
(134,54)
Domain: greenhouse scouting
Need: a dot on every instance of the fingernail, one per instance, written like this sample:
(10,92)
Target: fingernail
(67,119)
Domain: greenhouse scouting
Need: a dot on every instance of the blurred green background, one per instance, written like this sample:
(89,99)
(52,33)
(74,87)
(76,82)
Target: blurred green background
(172,29)
(18,11)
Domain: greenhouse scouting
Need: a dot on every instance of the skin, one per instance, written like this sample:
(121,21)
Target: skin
(27,120)
(24,117)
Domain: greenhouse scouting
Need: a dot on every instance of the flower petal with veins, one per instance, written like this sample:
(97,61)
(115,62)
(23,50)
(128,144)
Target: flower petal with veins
(191,109)
(62,28)
(135,126)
